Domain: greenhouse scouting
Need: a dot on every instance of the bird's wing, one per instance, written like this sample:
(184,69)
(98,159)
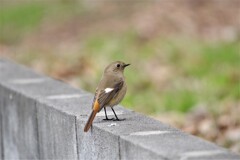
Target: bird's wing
(105,95)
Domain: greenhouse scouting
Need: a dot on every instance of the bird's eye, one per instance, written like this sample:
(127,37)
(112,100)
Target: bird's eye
(118,65)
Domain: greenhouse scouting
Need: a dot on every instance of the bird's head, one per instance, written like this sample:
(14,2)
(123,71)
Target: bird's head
(116,67)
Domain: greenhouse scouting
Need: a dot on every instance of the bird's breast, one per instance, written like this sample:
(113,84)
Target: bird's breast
(118,97)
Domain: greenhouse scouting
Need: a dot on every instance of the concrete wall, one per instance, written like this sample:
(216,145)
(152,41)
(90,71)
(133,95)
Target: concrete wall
(42,118)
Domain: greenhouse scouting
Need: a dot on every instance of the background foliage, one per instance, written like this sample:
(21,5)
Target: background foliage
(185,54)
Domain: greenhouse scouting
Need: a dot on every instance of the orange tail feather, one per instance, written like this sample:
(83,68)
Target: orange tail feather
(90,120)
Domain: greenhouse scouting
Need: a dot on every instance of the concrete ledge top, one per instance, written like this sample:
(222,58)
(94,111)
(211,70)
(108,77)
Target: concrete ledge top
(137,137)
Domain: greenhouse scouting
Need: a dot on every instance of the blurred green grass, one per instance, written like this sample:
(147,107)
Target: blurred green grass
(18,19)
(198,72)
(202,72)
(15,20)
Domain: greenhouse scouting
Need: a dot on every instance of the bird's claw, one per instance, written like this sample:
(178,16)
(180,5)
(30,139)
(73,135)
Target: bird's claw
(117,119)
(108,119)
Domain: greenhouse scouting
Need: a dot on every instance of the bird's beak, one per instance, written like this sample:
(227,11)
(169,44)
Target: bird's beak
(125,65)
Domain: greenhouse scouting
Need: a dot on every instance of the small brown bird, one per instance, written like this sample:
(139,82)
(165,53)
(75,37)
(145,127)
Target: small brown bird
(110,91)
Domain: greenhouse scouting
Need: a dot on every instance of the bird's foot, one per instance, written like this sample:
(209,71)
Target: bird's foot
(117,119)
(108,119)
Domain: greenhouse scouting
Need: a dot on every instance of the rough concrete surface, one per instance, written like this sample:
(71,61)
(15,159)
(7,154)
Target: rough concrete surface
(1,106)
(43,118)
(19,127)
(100,144)
(57,136)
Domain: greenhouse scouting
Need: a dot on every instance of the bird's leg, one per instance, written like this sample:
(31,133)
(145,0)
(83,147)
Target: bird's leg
(107,119)
(117,119)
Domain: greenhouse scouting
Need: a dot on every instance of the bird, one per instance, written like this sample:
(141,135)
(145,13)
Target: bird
(109,92)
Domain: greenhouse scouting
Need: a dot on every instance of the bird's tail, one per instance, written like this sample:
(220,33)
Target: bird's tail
(90,120)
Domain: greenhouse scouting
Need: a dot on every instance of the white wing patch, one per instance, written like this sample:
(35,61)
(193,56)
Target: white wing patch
(107,90)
